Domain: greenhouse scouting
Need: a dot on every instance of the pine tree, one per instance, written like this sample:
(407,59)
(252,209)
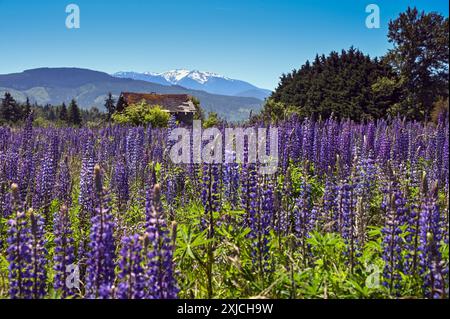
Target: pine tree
(63,116)
(120,104)
(51,114)
(110,105)
(9,109)
(27,108)
(74,114)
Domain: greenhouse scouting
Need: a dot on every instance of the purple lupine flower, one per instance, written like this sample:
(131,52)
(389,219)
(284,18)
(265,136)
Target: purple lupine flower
(392,242)
(86,199)
(437,273)
(303,212)
(210,194)
(260,229)
(384,153)
(161,283)
(64,183)
(348,219)
(304,220)
(11,164)
(308,139)
(26,168)
(131,274)
(365,177)
(38,254)
(45,181)
(249,192)
(86,196)
(170,190)
(412,239)
(5,200)
(18,251)
(64,253)
(430,240)
(101,255)
(134,151)
(231,178)
(120,182)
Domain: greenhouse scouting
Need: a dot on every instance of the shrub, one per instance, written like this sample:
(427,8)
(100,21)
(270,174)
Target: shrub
(142,114)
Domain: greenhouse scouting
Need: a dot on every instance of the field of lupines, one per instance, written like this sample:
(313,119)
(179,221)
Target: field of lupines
(353,211)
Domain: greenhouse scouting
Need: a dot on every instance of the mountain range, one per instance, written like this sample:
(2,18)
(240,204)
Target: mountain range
(90,88)
(199,80)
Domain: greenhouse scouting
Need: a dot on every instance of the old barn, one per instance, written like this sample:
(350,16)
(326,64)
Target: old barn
(179,105)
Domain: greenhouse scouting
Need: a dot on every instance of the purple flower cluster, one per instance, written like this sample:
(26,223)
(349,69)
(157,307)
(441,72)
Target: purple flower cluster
(392,242)
(131,275)
(429,247)
(26,253)
(19,255)
(120,183)
(101,254)
(161,283)
(64,253)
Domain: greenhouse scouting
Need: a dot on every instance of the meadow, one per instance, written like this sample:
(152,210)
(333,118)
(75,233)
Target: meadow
(354,210)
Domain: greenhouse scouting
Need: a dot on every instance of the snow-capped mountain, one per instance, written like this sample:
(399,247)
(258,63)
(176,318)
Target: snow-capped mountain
(198,80)
(175,76)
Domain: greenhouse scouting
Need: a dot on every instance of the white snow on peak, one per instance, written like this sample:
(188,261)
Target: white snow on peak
(175,76)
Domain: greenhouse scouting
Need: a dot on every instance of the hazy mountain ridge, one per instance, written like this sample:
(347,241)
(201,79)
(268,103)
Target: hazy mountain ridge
(89,88)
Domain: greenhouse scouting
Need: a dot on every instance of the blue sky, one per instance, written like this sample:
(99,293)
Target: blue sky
(252,40)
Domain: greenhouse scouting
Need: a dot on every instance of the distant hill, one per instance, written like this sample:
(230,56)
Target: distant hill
(89,88)
(199,80)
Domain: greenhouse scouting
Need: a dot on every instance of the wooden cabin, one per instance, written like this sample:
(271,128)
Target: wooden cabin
(179,105)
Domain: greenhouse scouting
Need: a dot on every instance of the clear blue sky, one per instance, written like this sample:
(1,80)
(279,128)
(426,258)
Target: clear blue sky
(252,40)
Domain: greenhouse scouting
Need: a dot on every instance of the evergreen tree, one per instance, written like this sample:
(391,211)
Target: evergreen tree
(110,105)
(27,108)
(9,109)
(63,116)
(74,113)
(339,84)
(51,114)
(120,104)
(421,58)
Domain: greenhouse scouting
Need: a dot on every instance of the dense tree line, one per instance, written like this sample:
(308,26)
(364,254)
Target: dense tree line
(410,80)
(13,112)
(338,83)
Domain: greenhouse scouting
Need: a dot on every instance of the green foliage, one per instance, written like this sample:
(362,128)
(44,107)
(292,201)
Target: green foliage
(408,81)
(440,108)
(421,57)
(42,122)
(339,84)
(142,114)
(213,120)
(276,112)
